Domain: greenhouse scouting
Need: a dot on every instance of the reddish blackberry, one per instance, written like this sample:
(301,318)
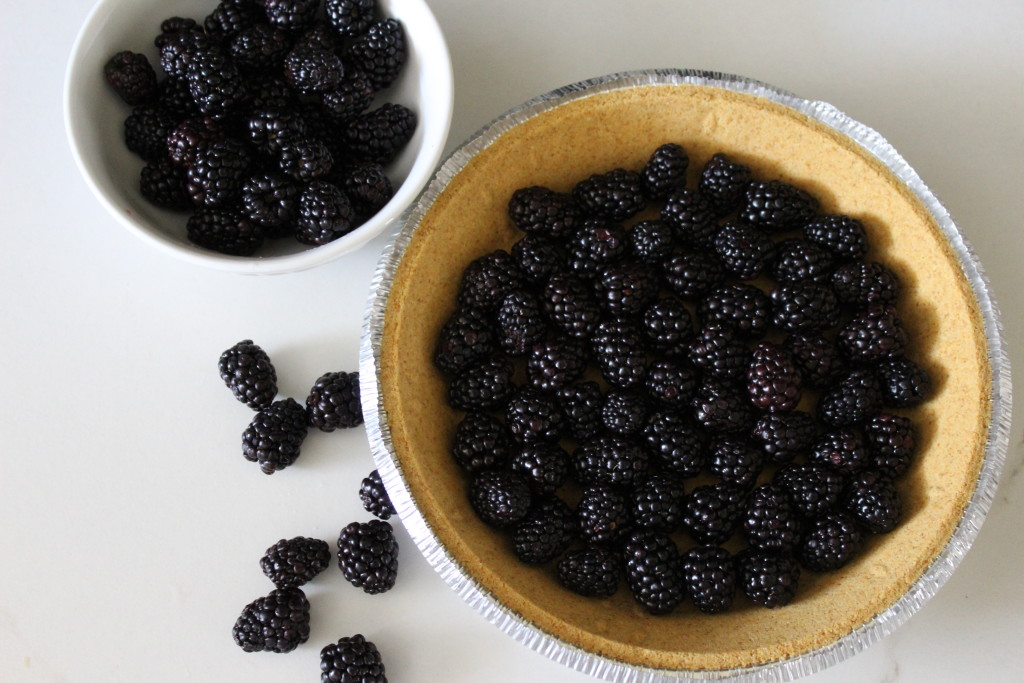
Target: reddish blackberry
(546,532)
(570,305)
(324,215)
(744,250)
(270,129)
(653,572)
(616,194)
(217,173)
(351,660)
(692,275)
(350,18)
(875,334)
(603,513)
(520,323)
(709,573)
(891,441)
(626,289)
(305,158)
(380,134)
(713,512)
(776,206)
(538,258)
(667,326)
(717,352)
(770,522)
(619,353)
(481,442)
(829,542)
(607,459)
(274,436)
(724,183)
(542,211)
(650,241)
(798,260)
(224,231)
(500,498)
(146,130)
(872,501)
(860,284)
(597,243)
(814,489)
(581,404)
(671,384)
(658,502)
(624,412)
(904,383)
(815,356)
(162,184)
(851,400)
(375,497)
(842,236)
(333,402)
(271,201)
(691,217)
(188,137)
(131,76)
(278,622)
(784,436)
(352,97)
(744,308)
(768,578)
(291,15)
(310,69)
(465,338)
(289,563)
(367,186)
(248,372)
(665,171)
(481,386)
(368,555)
(735,460)
(533,417)
(721,408)
(552,364)
(215,82)
(380,52)
(841,449)
(544,465)
(487,280)
(804,307)
(593,572)
(258,47)
(675,444)
(773,380)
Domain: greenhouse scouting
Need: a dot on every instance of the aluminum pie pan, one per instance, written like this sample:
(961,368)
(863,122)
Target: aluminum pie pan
(884,623)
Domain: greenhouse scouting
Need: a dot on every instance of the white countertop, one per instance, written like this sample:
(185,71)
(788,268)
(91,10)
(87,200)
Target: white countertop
(130,525)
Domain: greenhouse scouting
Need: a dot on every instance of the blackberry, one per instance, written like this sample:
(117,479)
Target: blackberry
(367,186)
(875,334)
(861,284)
(174,96)
(670,384)
(215,82)
(380,134)
(665,171)
(773,380)
(581,404)
(709,573)
(350,18)
(720,407)
(597,243)
(607,459)
(270,129)
(546,532)
(744,250)
(723,182)
(650,241)
(178,51)
(829,543)
(555,363)
(520,323)
(499,497)
(271,201)
(368,555)
(624,412)
(162,184)
(626,289)
(768,578)
(146,130)
(770,521)
(224,231)
(615,195)
(798,260)
(188,137)
(844,237)
(351,97)
(872,501)
(816,357)
(380,52)
(691,217)
(619,353)
(289,563)
(533,417)
(717,352)
(658,502)
(538,258)
(775,206)
(325,214)
(542,211)
(351,660)
(784,436)
(713,512)
(675,444)
(891,441)
(603,513)
(291,15)
(652,571)
(131,76)
(250,375)
(692,275)
(333,402)
(904,383)
(841,449)
(481,442)
(804,307)
(814,489)
(217,173)
(743,307)
(667,326)
(311,70)
(228,19)
(570,305)
(173,27)
(482,386)
(275,435)
(318,35)
(487,280)
(278,622)
(305,159)
(270,92)
(375,497)
(466,337)
(258,47)
(852,400)
(593,572)
(734,460)
(545,466)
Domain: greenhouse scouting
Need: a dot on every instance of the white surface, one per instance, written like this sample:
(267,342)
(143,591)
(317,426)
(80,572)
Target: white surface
(129,522)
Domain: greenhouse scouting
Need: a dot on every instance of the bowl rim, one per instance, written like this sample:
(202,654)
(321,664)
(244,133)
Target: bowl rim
(442,98)
(882,624)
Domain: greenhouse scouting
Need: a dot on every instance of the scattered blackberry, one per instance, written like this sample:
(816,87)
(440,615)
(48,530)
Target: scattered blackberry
(217,173)
(146,130)
(770,521)
(829,543)
(675,444)
(904,383)
(773,380)
(691,217)
(215,82)
(607,459)
(271,201)
(714,512)
(274,436)
(305,158)
(270,129)
(465,338)
(351,660)
(768,578)
(545,533)
(542,211)
(593,572)
(224,231)
(597,243)
(873,502)
(717,352)
(380,52)
(312,70)
(581,404)
(842,236)
(860,284)
(875,334)
(734,460)
(291,15)
(815,356)
(333,402)
(720,408)
(555,363)
(603,513)
(163,185)
(891,441)
(851,400)
(709,573)
(368,555)
(670,383)
(624,412)
(352,97)
(482,386)
(248,372)
(619,353)
(653,573)
(775,206)
(500,498)
(667,326)
(841,449)
(798,260)
(724,183)
(367,186)
(228,19)
(350,18)
(804,307)
(188,137)
(570,305)
(325,214)
(692,275)
(544,465)
(258,47)
(665,171)
(650,241)
(658,503)
(488,280)
(289,563)
(481,442)
(533,417)
(814,489)
(784,436)
(380,134)
(743,307)
(538,258)
(520,323)
(744,250)
(626,289)
(278,622)
(375,497)
(132,76)
(616,195)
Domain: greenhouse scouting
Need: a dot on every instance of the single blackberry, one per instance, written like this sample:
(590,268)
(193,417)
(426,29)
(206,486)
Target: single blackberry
(667,326)
(380,134)
(250,375)
(375,497)
(891,442)
(775,206)
(904,383)
(841,449)
(258,47)
(784,436)
(817,358)
(604,514)
(188,137)
(271,201)
(773,379)
(520,323)
(875,334)
(305,158)
(670,383)
(325,214)
(278,622)
(691,217)
(555,363)
(546,532)
(724,182)
(650,241)
(466,337)
(804,307)
(163,184)
(178,51)
(217,173)
(351,97)
(368,555)
(713,512)
(798,260)
(333,402)
(744,250)
(131,76)
(616,195)
(224,231)
(350,18)
(312,70)
(675,444)
(146,130)
(215,82)
(735,460)
(743,307)
(692,275)
(626,289)
(367,186)
(542,211)
(721,408)
(275,435)
(291,15)
(873,502)
(351,660)
(538,258)
(607,459)
(581,404)
(814,489)
(174,96)
(852,400)
(570,305)
(844,237)
(709,573)
(270,129)
(717,352)
(380,52)
(593,572)
(481,386)
(829,543)
(860,284)
(658,503)
(481,442)
(665,171)
(533,417)
(487,280)
(624,412)
(770,522)
(545,466)
(289,563)
(653,573)
(768,578)
(228,19)
(618,353)
(500,498)
(597,243)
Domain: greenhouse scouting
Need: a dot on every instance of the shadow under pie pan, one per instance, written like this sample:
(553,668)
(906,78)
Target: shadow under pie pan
(564,136)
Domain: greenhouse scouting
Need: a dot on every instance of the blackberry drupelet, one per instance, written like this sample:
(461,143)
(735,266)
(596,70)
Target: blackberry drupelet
(709,573)
(291,15)
(289,563)
(520,323)
(217,173)
(744,308)
(250,375)
(675,444)
(131,76)
(488,279)
(146,130)
(593,572)
(626,289)
(744,250)
(500,498)
(873,502)
(770,522)
(555,363)
(650,241)
(735,460)
(691,217)
(484,385)
(351,660)
(692,275)
(325,214)
(667,326)
(188,137)
(892,442)
(773,379)
(798,260)
(215,82)
(775,206)
(597,243)
(581,403)
(829,542)
(784,436)
(163,184)
(542,211)
(721,408)
(350,18)
(224,231)
(842,236)
(278,622)
(481,442)
(546,532)
(538,258)
(352,96)
(714,512)
(658,503)
(618,353)
(466,337)
(843,450)
(270,129)
(305,158)
(852,400)
(717,352)
(665,171)
(624,412)
(817,358)
(768,578)
(608,459)
(604,514)
(814,489)
(545,466)
(904,383)
(616,195)
(380,52)
(275,435)
(271,201)
(653,573)
(367,186)
(570,305)
(258,47)
(368,555)
(333,402)
(804,307)
(670,383)
(375,497)
(724,183)
(875,334)
(533,417)
(860,284)
(380,134)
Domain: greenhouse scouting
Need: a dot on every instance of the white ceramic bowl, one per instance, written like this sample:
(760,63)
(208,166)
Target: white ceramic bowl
(94,116)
